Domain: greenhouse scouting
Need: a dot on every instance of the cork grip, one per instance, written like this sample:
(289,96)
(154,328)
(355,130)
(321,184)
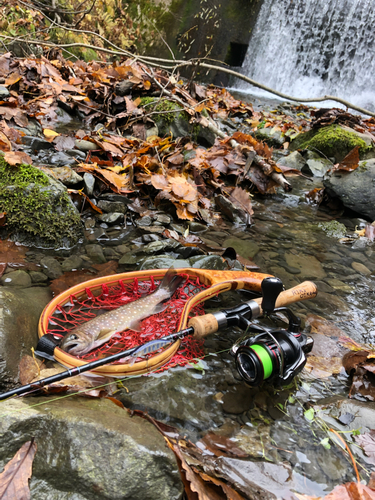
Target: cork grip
(207,324)
(304,291)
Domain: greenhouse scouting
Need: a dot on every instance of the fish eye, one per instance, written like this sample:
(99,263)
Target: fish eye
(73,337)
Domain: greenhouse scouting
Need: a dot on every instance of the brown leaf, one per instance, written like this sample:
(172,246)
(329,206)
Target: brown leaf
(323,326)
(64,142)
(14,480)
(17,158)
(11,253)
(351,360)
(5,144)
(3,218)
(367,443)
(222,446)
(12,79)
(241,199)
(29,368)
(350,162)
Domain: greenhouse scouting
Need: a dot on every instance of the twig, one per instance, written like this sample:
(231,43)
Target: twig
(350,453)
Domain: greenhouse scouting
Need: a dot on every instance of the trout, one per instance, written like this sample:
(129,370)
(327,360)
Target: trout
(99,330)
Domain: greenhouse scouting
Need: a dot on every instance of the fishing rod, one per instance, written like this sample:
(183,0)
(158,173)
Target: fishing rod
(273,300)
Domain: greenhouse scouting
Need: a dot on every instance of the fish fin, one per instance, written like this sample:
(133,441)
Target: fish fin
(160,308)
(105,334)
(135,326)
(171,281)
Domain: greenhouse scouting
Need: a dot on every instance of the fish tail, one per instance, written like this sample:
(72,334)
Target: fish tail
(171,281)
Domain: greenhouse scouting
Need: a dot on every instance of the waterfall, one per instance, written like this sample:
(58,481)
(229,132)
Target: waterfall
(311,48)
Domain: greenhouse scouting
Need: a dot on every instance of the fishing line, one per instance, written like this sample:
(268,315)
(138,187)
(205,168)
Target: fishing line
(93,388)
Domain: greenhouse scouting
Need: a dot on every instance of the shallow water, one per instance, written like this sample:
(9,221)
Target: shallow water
(269,423)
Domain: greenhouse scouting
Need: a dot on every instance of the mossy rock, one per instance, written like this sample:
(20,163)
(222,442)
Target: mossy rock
(171,118)
(39,210)
(332,141)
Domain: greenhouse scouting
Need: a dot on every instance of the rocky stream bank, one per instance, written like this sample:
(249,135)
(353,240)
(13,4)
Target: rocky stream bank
(90,448)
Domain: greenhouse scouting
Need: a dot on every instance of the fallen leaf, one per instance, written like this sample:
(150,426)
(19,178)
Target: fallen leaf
(367,443)
(17,158)
(350,162)
(347,491)
(50,134)
(29,368)
(222,446)
(14,480)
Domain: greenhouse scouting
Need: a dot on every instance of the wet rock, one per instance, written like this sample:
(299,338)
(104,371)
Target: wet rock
(35,143)
(231,212)
(333,228)
(38,277)
(317,168)
(256,442)
(336,284)
(16,279)
(83,145)
(124,87)
(238,399)
(33,128)
(151,132)
(196,227)
(66,175)
(309,265)
(72,263)
(208,262)
(360,268)
(272,136)
(293,160)
(122,249)
(19,315)
(144,221)
(51,267)
(4,92)
(131,258)
(111,254)
(357,414)
(75,153)
(164,262)
(89,181)
(94,234)
(95,253)
(160,245)
(245,248)
(112,206)
(355,189)
(92,449)
(112,218)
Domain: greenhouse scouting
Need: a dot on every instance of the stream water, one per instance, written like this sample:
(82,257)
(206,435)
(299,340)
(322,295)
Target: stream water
(269,423)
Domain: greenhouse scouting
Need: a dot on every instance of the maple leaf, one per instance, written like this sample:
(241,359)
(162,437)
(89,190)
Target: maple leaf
(350,162)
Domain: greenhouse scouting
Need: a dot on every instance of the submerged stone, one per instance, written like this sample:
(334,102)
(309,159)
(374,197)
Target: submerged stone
(39,210)
(17,278)
(19,315)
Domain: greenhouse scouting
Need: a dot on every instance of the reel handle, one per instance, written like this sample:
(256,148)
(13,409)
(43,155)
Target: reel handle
(210,323)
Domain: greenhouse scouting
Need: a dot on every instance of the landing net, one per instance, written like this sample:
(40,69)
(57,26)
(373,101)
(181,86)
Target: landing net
(88,305)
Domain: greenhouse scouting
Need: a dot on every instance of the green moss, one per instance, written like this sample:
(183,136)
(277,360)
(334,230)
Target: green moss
(34,209)
(333,228)
(330,141)
(162,107)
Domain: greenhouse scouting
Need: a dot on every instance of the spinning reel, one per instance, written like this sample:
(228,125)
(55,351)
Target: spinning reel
(272,354)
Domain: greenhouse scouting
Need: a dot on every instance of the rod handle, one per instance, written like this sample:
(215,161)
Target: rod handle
(305,291)
(208,323)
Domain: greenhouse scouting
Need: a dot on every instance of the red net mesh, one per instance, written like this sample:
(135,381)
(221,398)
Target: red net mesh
(79,310)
